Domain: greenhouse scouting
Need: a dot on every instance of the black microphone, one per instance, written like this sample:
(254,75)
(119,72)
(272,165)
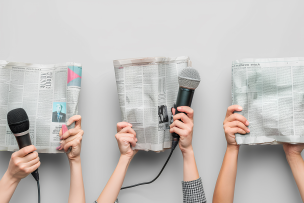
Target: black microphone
(19,124)
(188,80)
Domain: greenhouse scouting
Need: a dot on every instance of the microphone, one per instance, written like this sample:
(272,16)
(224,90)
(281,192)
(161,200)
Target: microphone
(19,124)
(188,80)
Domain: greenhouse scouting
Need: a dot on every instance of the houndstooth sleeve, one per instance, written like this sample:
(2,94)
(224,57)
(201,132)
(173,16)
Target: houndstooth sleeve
(193,191)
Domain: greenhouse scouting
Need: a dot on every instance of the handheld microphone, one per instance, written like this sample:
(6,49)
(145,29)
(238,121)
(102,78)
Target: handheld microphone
(19,124)
(188,80)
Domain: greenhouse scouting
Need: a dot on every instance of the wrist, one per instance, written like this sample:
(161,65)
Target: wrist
(231,147)
(292,155)
(187,152)
(9,179)
(75,160)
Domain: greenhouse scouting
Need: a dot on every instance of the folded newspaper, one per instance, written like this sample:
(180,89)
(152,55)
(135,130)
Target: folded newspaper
(48,93)
(147,89)
(271,92)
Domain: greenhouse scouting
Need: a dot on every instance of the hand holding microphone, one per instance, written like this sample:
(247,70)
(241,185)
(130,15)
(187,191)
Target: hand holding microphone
(183,126)
(23,162)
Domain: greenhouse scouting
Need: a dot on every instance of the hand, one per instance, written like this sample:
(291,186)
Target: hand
(23,162)
(125,137)
(234,123)
(293,149)
(183,128)
(72,138)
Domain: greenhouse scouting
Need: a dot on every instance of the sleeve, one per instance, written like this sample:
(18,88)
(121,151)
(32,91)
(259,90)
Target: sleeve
(193,191)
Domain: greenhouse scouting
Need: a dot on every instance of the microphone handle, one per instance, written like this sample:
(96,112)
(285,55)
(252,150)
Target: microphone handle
(184,98)
(24,141)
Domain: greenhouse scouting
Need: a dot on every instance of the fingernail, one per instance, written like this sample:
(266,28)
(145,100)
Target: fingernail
(61,138)
(61,142)
(58,147)
(240,108)
(179,108)
(130,124)
(64,128)
(247,123)
(248,130)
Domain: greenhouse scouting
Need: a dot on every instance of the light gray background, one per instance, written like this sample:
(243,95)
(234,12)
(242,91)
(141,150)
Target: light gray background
(212,33)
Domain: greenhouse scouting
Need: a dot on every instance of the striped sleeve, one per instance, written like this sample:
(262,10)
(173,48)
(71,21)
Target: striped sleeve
(193,191)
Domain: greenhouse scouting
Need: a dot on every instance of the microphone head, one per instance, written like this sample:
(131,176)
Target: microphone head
(18,121)
(189,78)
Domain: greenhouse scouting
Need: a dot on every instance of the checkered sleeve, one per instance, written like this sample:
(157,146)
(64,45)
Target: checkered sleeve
(193,191)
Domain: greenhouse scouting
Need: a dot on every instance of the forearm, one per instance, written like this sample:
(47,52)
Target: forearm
(112,188)
(7,188)
(296,164)
(224,189)
(77,193)
(190,168)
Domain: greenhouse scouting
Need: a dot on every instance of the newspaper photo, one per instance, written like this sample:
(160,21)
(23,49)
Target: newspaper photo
(49,95)
(147,89)
(271,93)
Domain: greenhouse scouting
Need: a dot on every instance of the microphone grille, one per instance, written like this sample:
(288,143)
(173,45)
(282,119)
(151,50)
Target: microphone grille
(17,120)
(189,78)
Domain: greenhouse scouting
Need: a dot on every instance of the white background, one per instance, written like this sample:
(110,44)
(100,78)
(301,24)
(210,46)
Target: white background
(211,33)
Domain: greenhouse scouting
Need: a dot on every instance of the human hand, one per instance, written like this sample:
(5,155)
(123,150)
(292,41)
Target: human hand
(23,162)
(72,138)
(293,149)
(234,123)
(125,137)
(183,128)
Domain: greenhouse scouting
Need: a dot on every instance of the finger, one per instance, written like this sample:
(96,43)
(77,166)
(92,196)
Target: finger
(30,157)
(74,143)
(186,109)
(183,117)
(34,167)
(122,125)
(179,124)
(127,130)
(120,135)
(237,117)
(26,150)
(236,130)
(33,162)
(178,131)
(237,124)
(71,132)
(128,140)
(64,142)
(76,119)
(231,109)
(173,111)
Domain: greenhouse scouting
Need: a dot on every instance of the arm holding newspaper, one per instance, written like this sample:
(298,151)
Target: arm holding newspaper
(22,163)
(183,126)
(125,137)
(296,163)
(233,123)
(72,139)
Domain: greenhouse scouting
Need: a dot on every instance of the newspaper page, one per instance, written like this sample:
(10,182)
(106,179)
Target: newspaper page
(271,92)
(147,89)
(48,93)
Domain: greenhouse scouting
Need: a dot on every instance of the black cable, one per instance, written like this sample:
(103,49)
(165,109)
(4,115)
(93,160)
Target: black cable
(174,144)
(38,187)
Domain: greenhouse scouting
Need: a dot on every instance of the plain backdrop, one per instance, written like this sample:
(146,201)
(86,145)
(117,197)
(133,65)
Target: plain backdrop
(212,33)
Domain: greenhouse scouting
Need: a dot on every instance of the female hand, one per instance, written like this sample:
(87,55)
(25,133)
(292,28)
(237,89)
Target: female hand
(72,138)
(293,149)
(234,123)
(125,137)
(23,162)
(183,128)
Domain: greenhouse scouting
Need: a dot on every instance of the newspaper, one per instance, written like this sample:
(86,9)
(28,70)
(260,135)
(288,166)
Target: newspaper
(271,92)
(147,89)
(48,93)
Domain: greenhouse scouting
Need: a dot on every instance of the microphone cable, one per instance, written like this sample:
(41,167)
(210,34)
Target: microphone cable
(174,144)
(38,187)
